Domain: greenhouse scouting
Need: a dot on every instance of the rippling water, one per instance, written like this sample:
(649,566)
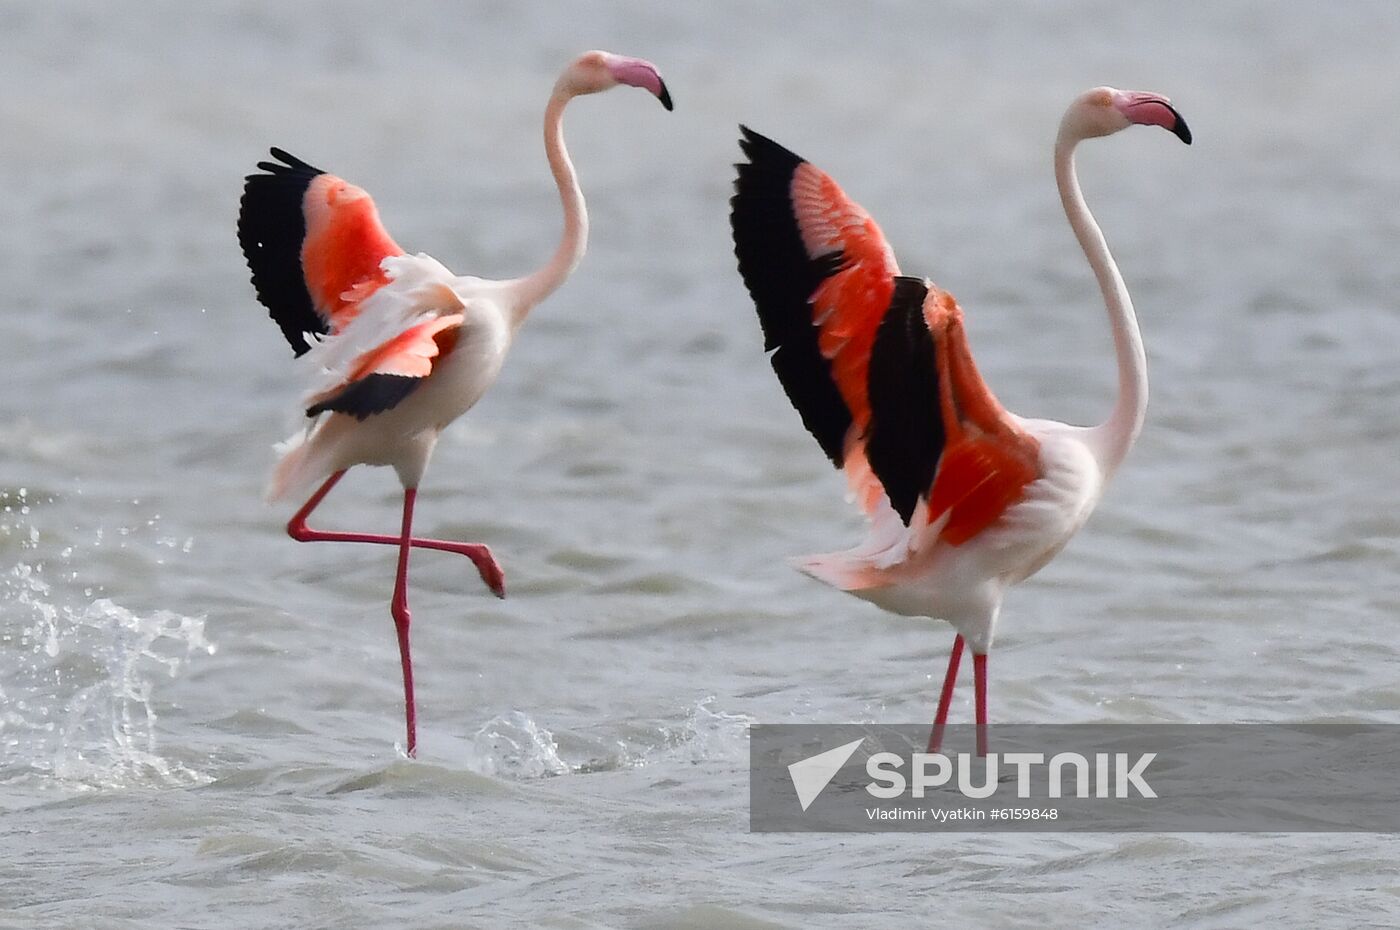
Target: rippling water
(200,719)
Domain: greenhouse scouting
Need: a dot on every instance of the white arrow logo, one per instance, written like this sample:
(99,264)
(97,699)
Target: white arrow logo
(811,775)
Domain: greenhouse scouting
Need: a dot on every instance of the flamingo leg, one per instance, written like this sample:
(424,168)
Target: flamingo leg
(935,736)
(485,562)
(979,670)
(398,608)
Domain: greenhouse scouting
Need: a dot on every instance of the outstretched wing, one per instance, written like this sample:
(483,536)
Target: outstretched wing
(392,344)
(877,364)
(821,275)
(314,244)
(937,434)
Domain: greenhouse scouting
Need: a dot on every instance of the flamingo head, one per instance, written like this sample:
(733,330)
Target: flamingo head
(595,71)
(1106,110)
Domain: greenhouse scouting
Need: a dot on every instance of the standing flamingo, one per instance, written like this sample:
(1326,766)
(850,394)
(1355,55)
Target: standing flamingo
(964,498)
(402,346)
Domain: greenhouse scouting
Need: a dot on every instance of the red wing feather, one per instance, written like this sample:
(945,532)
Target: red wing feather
(876,363)
(385,375)
(313,244)
(987,458)
(936,432)
(847,306)
(819,272)
(344,246)
(977,480)
(410,354)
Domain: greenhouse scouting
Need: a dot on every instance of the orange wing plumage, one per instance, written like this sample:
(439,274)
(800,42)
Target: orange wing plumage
(314,244)
(317,252)
(847,305)
(987,459)
(877,364)
(410,354)
(821,275)
(382,376)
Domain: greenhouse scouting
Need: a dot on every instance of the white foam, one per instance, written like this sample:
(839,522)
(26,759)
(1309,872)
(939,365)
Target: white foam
(79,674)
(707,734)
(513,745)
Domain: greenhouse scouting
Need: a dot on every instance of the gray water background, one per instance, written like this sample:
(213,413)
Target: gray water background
(199,719)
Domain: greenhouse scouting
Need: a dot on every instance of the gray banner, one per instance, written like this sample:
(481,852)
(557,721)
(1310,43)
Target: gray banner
(1102,778)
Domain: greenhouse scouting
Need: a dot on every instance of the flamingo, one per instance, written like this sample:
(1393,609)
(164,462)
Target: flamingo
(400,346)
(964,499)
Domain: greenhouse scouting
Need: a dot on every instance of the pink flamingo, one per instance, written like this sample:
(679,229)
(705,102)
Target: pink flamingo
(402,347)
(964,498)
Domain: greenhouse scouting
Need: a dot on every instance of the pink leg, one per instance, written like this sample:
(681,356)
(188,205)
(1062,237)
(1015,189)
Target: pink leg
(398,608)
(979,671)
(935,736)
(480,555)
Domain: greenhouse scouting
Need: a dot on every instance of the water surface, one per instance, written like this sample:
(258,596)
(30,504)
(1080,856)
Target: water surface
(200,720)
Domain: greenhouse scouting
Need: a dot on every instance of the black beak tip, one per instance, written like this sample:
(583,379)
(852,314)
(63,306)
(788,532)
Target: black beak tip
(665,97)
(1181,130)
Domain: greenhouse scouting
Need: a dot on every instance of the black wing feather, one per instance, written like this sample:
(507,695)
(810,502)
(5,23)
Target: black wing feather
(781,278)
(906,435)
(271,229)
(370,395)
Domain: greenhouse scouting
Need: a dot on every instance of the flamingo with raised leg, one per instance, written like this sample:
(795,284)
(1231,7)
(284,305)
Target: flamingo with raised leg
(964,498)
(399,346)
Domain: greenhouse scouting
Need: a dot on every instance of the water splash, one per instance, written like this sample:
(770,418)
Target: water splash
(707,734)
(77,676)
(703,734)
(513,745)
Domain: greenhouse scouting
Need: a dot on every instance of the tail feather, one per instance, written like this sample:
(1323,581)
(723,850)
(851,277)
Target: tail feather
(840,570)
(302,462)
(882,557)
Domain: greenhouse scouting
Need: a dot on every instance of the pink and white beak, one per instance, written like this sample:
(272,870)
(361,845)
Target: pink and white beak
(1151,110)
(638,72)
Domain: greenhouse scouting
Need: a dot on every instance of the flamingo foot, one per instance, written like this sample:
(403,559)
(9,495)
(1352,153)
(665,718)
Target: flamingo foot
(486,565)
(479,553)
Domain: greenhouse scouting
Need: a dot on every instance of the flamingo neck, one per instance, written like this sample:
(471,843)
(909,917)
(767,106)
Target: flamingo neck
(537,286)
(1115,436)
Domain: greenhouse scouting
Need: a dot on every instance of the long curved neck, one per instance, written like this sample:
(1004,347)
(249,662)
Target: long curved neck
(1115,436)
(537,286)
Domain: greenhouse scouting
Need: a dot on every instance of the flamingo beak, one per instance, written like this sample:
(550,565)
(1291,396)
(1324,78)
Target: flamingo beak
(1179,128)
(638,72)
(1152,110)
